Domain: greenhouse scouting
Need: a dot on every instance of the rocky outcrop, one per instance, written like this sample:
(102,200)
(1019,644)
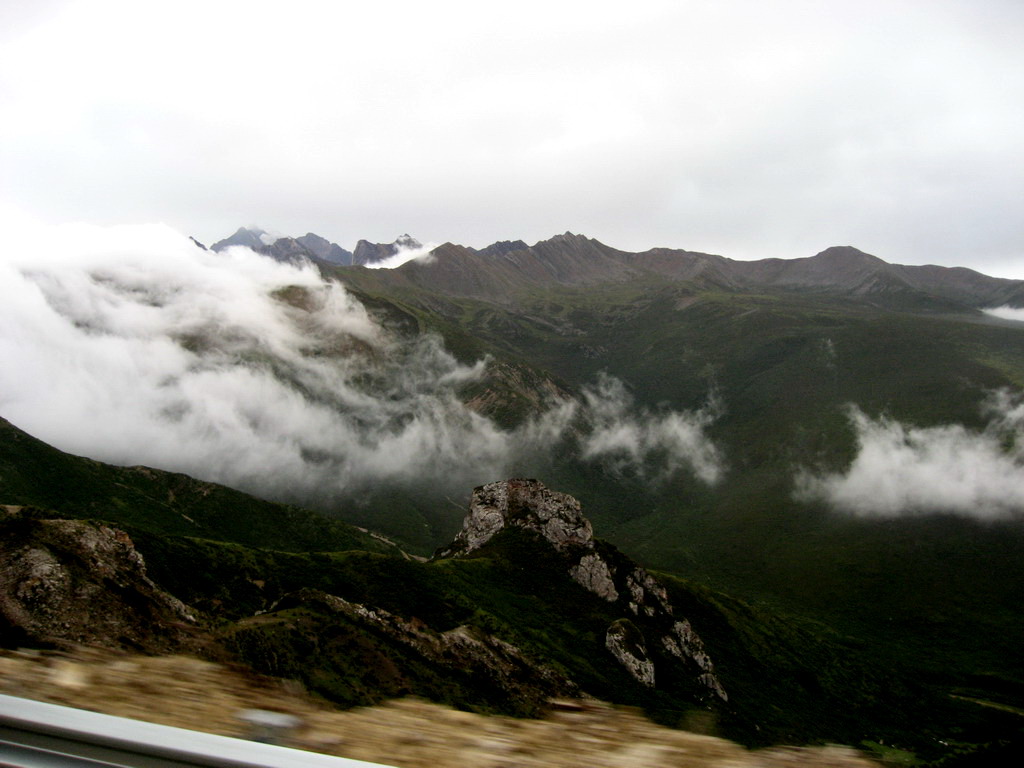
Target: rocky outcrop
(684,643)
(626,643)
(593,573)
(287,249)
(405,652)
(527,504)
(67,581)
(557,519)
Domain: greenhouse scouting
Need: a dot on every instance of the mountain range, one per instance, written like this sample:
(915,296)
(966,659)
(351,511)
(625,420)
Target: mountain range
(813,460)
(501,270)
(313,247)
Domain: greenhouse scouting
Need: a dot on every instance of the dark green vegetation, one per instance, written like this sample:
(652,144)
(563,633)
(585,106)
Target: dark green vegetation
(789,679)
(933,593)
(35,474)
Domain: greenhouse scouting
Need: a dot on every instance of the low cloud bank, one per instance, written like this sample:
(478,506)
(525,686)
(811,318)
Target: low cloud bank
(133,346)
(903,470)
(404,255)
(1007,313)
(639,442)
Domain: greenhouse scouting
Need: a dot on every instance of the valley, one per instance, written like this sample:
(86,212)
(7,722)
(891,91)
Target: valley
(784,364)
(815,459)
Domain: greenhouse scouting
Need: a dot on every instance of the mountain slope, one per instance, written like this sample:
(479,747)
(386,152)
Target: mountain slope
(518,610)
(785,361)
(793,369)
(33,473)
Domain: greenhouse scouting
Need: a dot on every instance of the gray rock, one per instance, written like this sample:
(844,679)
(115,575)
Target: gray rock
(522,503)
(69,581)
(626,644)
(558,519)
(593,574)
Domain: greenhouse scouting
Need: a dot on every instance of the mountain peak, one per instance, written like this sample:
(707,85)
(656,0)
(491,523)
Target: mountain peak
(566,237)
(324,249)
(847,253)
(370,253)
(286,249)
(250,237)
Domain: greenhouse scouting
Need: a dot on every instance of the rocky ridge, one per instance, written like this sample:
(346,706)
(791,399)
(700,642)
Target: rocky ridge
(495,273)
(571,259)
(494,663)
(288,249)
(70,582)
(557,519)
(370,253)
(67,581)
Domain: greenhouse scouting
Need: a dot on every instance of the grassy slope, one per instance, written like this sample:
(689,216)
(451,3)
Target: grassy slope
(937,592)
(790,680)
(33,473)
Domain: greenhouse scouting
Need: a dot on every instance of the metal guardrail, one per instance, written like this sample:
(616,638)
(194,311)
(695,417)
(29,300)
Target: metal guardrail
(34,734)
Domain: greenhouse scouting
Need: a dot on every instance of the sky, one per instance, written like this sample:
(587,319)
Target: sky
(747,129)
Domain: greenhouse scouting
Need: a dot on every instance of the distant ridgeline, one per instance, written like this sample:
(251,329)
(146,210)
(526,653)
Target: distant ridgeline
(313,247)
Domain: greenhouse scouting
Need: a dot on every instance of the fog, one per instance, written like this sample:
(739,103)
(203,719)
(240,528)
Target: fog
(133,346)
(403,255)
(1007,313)
(643,443)
(905,470)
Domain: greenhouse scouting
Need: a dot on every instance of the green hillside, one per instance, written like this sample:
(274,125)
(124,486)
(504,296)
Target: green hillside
(264,589)
(35,474)
(837,626)
(939,592)
(790,680)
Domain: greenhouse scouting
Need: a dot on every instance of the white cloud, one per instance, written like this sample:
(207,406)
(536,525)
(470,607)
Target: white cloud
(405,254)
(647,444)
(131,345)
(1007,313)
(905,470)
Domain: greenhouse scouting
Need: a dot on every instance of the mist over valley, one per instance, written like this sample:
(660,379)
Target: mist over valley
(831,437)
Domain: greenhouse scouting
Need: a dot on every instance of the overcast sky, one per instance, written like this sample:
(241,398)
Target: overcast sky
(749,129)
